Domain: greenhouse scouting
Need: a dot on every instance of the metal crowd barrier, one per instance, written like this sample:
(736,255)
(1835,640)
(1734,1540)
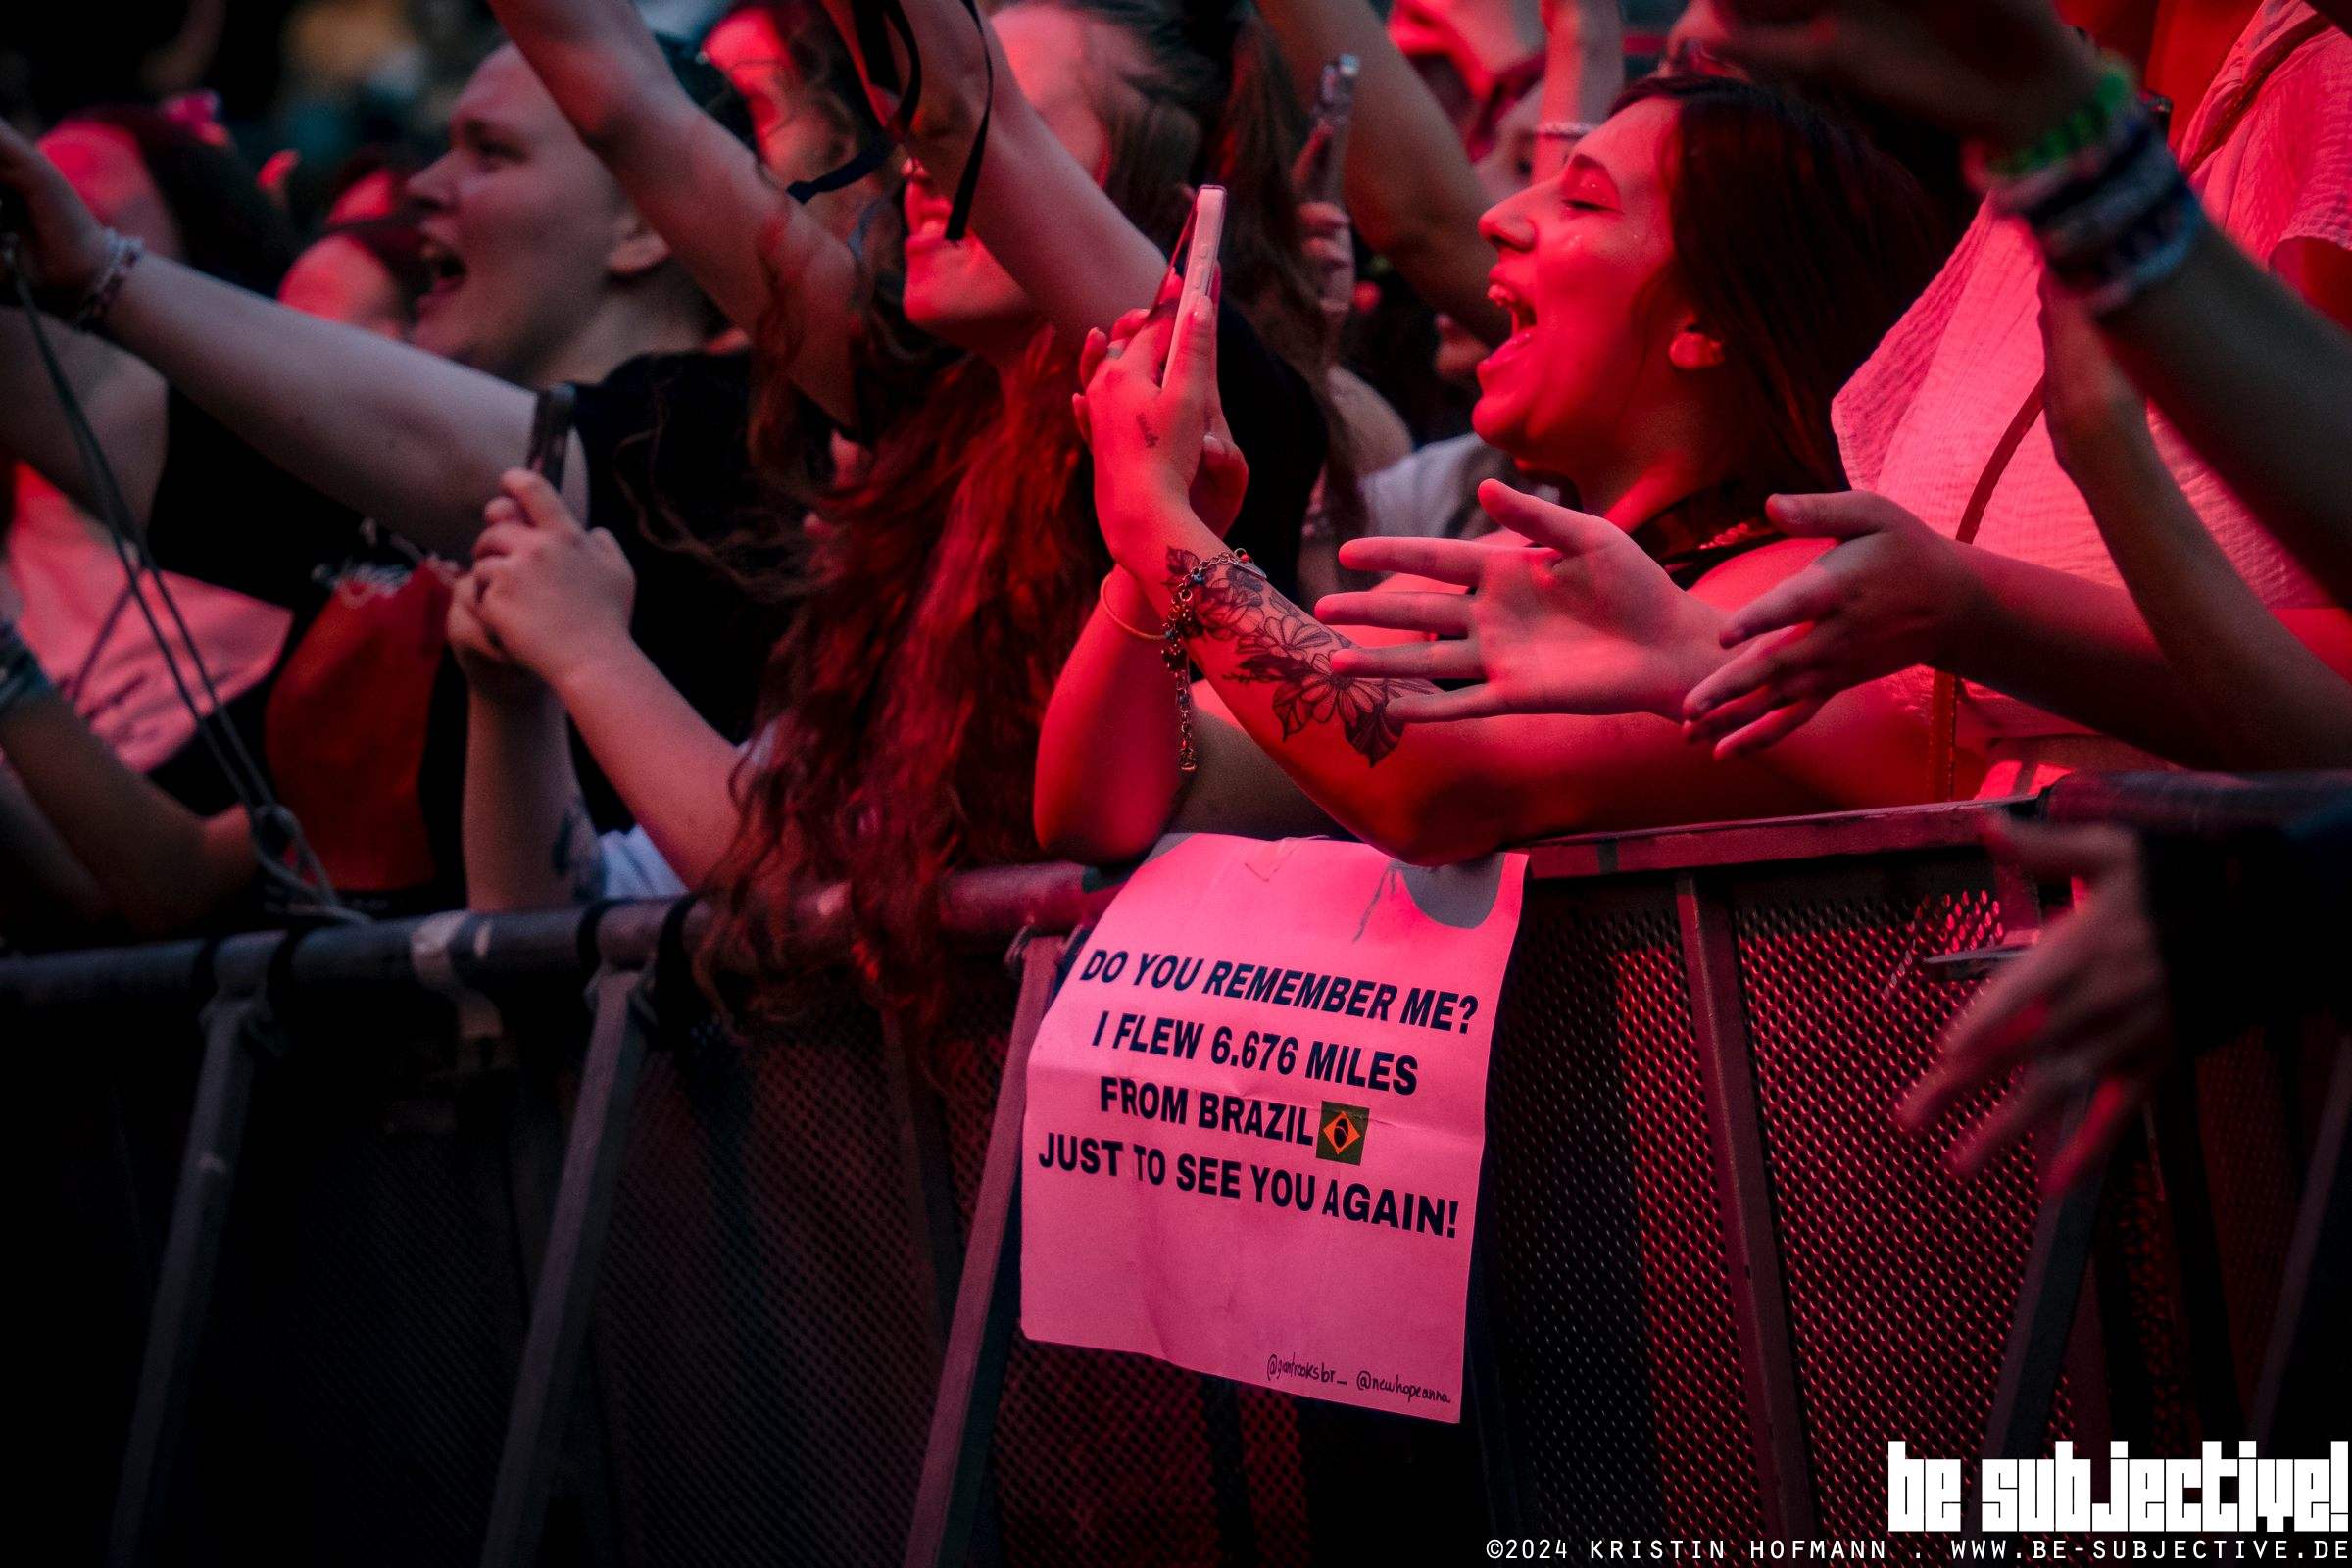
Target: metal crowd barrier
(385,1245)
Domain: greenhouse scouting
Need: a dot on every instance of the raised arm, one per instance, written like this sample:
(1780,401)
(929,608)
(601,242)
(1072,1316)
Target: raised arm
(1040,212)
(2261,384)
(2258,379)
(2267,701)
(124,399)
(704,192)
(1410,185)
(1584,72)
(413,440)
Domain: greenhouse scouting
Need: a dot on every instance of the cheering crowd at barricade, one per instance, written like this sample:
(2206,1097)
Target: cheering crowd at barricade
(796,462)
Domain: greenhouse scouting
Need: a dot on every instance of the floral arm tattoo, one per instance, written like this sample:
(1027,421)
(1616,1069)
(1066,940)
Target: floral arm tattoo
(579,856)
(1284,647)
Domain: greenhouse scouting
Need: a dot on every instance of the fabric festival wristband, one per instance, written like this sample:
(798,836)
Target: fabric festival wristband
(2113,221)
(2092,123)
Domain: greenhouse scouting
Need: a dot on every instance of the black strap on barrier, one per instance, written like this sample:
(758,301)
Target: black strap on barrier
(558,1336)
(239,1022)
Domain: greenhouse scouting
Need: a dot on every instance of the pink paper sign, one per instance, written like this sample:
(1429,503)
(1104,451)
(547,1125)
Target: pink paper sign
(1256,1115)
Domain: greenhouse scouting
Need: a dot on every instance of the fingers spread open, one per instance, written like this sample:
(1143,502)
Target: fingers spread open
(1758,670)
(1547,522)
(1441,660)
(1444,707)
(1455,560)
(2007,1019)
(2037,1096)
(1446,615)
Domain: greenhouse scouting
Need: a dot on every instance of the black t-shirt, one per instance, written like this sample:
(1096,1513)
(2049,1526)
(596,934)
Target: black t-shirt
(365,726)
(670,472)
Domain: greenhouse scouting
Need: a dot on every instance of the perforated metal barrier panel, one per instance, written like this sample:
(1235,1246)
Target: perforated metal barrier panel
(765,1349)
(1901,1280)
(764,1339)
(1613,1314)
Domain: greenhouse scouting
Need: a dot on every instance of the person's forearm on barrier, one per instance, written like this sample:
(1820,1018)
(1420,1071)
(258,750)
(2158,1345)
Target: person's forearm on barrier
(1584,72)
(46,895)
(703,191)
(528,841)
(529,844)
(1409,184)
(161,867)
(1107,780)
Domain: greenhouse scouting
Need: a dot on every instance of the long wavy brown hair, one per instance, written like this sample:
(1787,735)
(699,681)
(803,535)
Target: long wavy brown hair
(948,584)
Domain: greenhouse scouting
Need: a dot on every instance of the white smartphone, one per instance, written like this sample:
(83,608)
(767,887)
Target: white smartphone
(1206,231)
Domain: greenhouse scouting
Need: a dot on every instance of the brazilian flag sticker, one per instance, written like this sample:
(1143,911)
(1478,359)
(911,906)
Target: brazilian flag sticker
(1339,1133)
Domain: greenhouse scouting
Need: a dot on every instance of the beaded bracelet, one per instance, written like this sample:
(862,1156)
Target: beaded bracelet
(21,677)
(1565,130)
(1183,622)
(2113,218)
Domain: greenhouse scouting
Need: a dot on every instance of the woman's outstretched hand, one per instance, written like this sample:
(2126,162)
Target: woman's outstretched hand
(2001,70)
(555,597)
(1884,598)
(1159,438)
(2084,1008)
(64,246)
(1571,616)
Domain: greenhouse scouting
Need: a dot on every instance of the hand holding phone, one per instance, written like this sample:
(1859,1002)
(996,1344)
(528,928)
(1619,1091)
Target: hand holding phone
(1324,160)
(1205,237)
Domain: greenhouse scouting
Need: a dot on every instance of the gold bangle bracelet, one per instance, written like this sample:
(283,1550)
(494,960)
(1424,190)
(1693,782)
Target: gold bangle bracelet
(1103,597)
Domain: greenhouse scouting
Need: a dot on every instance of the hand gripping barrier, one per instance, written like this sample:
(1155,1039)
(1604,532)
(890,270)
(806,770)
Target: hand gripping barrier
(370,1245)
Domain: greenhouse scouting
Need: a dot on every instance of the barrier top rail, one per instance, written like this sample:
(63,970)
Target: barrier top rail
(485,952)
